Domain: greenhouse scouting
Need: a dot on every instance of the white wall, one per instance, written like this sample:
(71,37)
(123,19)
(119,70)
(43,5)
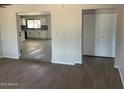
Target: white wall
(0,43)
(120,61)
(66,30)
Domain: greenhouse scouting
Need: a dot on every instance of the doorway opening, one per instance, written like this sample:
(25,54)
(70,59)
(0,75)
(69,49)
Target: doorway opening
(34,36)
(99,34)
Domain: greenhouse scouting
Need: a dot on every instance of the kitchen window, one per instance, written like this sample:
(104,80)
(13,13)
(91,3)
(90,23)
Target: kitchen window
(33,24)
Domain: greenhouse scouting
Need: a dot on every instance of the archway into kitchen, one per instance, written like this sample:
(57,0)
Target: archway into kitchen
(34,36)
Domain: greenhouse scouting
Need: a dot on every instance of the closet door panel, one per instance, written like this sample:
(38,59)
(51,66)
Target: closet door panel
(89,43)
(110,34)
(113,34)
(107,24)
(103,49)
(97,26)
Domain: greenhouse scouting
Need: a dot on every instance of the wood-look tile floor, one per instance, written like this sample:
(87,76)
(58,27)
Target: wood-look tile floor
(95,73)
(36,49)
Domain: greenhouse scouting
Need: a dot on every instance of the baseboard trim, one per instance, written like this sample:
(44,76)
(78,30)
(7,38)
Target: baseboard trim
(10,57)
(122,79)
(65,63)
(77,62)
(116,66)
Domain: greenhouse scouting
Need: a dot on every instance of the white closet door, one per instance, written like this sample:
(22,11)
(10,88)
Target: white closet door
(90,41)
(107,27)
(0,45)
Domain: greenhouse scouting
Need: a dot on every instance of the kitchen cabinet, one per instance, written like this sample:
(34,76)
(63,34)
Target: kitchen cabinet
(41,34)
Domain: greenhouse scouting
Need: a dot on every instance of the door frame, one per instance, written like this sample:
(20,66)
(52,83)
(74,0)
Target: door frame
(114,10)
(18,14)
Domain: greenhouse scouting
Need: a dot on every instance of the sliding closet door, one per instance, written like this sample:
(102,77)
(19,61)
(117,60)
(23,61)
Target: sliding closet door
(90,41)
(106,26)
(0,44)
